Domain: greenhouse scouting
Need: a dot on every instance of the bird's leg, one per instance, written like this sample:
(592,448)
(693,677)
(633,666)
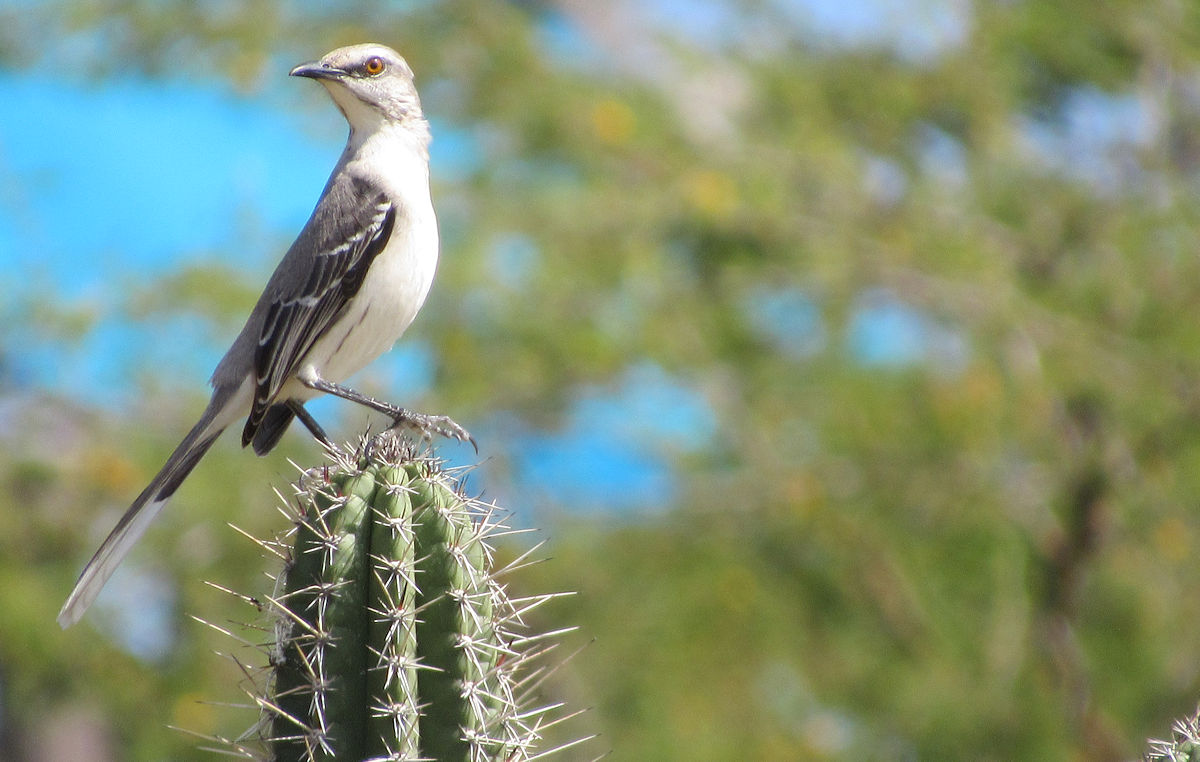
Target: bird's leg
(311,424)
(427,425)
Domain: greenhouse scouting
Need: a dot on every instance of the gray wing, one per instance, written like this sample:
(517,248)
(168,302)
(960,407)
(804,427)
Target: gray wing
(348,229)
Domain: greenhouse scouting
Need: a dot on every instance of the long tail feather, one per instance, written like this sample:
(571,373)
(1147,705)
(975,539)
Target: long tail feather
(147,505)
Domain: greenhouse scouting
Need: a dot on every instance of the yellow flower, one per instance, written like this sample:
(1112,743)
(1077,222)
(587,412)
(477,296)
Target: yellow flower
(613,121)
(711,193)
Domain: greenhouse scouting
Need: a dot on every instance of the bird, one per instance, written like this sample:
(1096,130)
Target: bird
(342,294)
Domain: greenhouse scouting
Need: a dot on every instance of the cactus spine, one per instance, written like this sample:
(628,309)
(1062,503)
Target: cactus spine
(394,640)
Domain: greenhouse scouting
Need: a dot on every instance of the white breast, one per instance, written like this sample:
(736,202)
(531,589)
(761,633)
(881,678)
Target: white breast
(398,280)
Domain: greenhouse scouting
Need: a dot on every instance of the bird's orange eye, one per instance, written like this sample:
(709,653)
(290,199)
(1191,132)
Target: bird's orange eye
(374,66)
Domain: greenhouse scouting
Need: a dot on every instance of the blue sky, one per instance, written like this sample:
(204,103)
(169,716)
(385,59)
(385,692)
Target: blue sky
(222,155)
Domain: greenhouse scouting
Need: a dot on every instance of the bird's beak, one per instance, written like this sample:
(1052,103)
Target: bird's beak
(317,70)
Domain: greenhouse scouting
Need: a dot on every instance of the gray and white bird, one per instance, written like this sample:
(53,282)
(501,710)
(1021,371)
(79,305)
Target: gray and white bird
(342,295)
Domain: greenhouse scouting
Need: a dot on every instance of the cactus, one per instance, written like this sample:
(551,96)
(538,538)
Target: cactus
(394,639)
(1183,746)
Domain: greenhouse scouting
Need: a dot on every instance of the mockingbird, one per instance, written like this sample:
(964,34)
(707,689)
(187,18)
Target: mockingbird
(342,295)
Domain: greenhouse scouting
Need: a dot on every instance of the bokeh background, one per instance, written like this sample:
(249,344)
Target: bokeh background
(846,356)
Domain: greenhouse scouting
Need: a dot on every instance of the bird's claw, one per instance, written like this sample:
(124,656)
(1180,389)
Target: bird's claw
(428,425)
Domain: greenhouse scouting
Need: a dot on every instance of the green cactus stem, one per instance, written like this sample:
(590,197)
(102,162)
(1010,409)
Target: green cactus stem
(394,638)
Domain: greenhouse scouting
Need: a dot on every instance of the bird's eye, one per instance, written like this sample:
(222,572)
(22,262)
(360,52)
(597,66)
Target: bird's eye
(373,66)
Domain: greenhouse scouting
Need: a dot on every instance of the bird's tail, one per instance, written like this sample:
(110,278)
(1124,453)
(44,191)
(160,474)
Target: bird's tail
(147,505)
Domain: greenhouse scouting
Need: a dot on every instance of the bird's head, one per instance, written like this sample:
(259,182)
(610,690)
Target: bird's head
(370,83)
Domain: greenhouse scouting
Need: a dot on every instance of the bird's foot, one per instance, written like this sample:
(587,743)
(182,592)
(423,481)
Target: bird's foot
(428,425)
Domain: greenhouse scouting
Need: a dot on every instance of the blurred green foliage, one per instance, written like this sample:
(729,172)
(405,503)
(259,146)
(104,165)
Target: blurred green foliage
(988,552)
